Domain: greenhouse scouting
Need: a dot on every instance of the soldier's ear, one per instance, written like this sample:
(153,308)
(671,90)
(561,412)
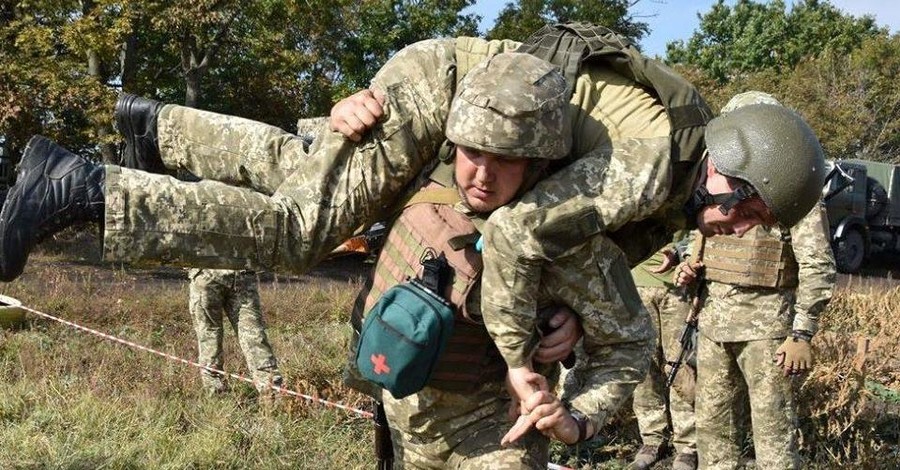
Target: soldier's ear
(710,169)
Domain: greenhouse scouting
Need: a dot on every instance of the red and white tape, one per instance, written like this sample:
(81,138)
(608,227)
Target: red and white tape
(281,390)
(171,357)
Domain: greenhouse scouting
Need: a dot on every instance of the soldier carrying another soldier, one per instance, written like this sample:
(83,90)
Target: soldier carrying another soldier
(616,197)
(506,124)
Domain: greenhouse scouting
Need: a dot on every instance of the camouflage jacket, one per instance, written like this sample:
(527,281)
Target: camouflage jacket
(572,233)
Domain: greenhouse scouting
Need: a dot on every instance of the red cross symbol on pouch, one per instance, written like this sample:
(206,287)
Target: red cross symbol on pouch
(380,363)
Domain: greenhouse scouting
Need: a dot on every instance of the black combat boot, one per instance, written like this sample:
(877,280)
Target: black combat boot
(136,121)
(54,189)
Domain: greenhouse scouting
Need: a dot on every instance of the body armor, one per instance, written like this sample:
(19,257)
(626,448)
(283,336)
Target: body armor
(759,258)
(430,226)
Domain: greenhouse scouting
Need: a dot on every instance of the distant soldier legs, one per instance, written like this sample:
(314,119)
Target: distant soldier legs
(215,294)
(654,405)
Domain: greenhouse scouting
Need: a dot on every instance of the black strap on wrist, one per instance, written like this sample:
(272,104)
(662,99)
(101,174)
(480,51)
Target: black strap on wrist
(802,334)
(582,422)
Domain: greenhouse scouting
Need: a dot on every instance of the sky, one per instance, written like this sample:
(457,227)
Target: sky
(677,19)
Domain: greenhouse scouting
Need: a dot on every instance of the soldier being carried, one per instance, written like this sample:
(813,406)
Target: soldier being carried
(614,199)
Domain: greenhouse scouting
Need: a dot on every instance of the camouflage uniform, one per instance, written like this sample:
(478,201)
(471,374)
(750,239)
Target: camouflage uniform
(292,210)
(236,294)
(654,406)
(461,430)
(742,326)
(445,426)
(740,329)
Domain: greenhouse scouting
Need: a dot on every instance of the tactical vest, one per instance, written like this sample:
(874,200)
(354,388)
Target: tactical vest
(758,259)
(428,226)
(570,45)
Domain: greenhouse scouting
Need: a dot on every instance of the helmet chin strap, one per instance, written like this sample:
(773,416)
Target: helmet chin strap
(726,201)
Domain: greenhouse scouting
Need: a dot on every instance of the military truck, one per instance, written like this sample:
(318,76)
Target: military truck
(862,199)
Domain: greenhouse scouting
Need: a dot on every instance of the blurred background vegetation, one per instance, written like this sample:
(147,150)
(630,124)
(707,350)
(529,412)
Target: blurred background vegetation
(63,61)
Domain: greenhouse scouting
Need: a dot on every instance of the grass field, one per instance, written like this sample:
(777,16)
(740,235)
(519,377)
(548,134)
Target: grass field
(71,400)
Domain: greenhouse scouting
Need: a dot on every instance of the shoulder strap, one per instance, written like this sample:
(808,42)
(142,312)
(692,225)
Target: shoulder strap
(569,45)
(441,195)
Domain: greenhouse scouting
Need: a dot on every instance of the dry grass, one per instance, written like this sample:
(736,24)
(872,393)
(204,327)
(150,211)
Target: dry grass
(71,400)
(850,403)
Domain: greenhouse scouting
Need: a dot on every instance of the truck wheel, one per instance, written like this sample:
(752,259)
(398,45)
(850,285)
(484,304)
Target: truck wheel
(849,252)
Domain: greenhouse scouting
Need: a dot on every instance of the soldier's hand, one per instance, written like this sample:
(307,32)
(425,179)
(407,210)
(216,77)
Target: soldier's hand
(565,331)
(522,383)
(794,356)
(670,259)
(357,113)
(687,272)
(547,414)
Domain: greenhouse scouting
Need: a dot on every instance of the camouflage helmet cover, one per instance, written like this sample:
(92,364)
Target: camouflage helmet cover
(747,98)
(512,104)
(774,150)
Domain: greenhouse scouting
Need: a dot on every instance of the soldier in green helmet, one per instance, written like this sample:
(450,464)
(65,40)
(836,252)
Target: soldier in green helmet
(764,293)
(617,197)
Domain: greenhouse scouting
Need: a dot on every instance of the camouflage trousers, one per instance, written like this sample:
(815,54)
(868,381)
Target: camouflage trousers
(725,372)
(235,294)
(266,204)
(446,430)
(654,406)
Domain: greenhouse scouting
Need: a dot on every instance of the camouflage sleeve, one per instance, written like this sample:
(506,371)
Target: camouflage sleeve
(310,126)
(618,331)
(606,378)
(598,193)
(816,269)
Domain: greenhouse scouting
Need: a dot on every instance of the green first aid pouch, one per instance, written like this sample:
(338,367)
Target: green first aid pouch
(402,338)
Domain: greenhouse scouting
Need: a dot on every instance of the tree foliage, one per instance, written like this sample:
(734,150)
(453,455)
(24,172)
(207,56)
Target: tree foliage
(45,84)
(62,61)
(850,99)
(518,20)
(753,36)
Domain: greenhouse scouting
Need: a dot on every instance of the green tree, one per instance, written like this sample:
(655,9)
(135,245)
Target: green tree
(518,20)
(379,28)
(53,74)
(62,61)
(753,36)
(277,60)
(849,99)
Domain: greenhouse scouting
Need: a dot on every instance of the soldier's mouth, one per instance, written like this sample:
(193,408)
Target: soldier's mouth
(480,193)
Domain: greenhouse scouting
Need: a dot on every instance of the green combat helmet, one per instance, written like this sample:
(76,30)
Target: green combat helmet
(512,104)
(774,150)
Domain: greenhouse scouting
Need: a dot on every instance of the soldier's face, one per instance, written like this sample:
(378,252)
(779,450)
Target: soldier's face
(487,181)
(740,219)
